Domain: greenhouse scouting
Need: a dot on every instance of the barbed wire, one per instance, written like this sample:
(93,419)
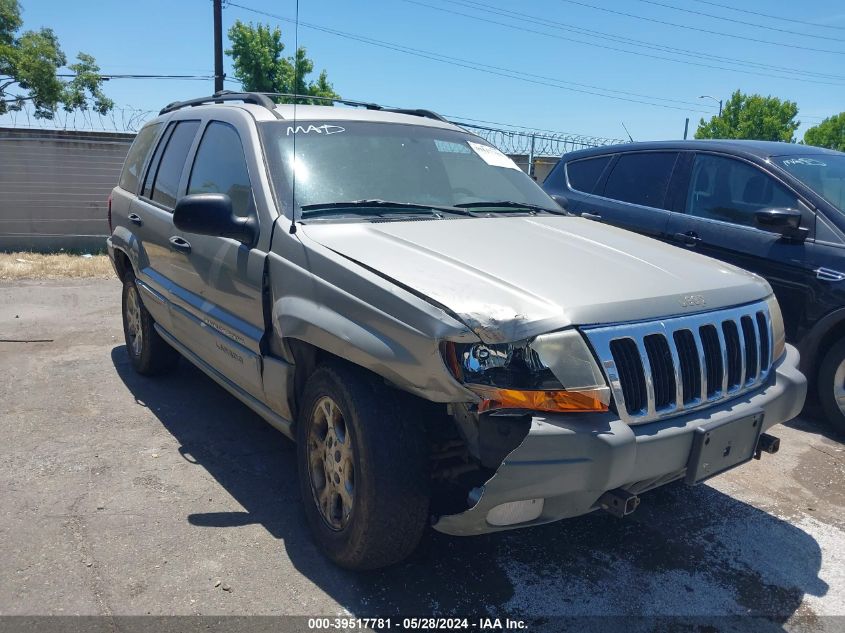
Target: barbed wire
(119,119)
(536,143)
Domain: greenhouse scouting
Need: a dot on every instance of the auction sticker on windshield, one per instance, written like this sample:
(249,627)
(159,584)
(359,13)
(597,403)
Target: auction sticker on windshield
(492,156)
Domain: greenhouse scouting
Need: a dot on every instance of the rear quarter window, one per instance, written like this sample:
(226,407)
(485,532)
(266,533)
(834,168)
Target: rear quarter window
(137,157)
(583,175)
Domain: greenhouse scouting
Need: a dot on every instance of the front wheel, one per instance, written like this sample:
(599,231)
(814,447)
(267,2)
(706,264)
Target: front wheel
(362,458)
(831,386)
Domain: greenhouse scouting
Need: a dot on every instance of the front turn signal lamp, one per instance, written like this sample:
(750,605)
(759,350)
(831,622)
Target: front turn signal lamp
(554,373)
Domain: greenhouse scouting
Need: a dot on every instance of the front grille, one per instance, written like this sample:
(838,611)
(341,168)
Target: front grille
(662,368)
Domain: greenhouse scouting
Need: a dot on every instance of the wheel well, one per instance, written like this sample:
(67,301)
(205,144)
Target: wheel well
(834,334)
(121,264)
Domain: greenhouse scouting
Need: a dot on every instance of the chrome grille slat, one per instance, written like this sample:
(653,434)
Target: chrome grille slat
(649,380)
(724,349)
(654,381)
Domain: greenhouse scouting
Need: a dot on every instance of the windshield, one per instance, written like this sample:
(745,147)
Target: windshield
(355,161)
(823,173)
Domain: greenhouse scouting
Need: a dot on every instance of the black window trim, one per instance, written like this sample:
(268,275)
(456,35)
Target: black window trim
(808,210)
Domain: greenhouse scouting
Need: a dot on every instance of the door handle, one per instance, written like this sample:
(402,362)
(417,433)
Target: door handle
(591,216)
(134,218)
(179,244)
(690,238)
(827,274)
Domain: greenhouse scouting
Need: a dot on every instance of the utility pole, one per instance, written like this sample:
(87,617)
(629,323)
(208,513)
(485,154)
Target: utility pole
(218,45)
(686,128)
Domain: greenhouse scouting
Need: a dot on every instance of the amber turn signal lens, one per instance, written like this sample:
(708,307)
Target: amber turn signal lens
(558,401)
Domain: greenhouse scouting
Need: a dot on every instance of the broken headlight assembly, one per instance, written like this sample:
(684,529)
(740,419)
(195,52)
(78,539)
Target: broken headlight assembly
(553,372)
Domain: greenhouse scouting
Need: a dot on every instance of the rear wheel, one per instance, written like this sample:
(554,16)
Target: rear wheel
(363,468)
(148,352)
(831,386)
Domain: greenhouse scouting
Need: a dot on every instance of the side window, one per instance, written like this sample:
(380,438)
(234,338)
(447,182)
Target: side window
(137,157)
(641,178)
(584,174)
(730,190)
(220,167)
(173,162)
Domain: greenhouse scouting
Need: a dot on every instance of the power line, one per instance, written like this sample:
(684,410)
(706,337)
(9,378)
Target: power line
(108,76)
(508,73)
(700,30)
(770,16)
(469,4)
(734,21)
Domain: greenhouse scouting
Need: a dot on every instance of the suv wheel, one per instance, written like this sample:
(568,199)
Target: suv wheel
(148,352)
(831,385)
(362,457)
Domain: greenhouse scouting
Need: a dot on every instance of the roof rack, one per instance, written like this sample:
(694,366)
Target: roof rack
(221,96)
(263,99)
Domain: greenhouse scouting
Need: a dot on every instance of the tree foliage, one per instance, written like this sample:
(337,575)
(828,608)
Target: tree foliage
(829,133)
(256,52)
(29,65)
(752,117)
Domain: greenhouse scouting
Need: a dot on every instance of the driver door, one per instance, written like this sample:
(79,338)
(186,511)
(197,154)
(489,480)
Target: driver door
(723,195)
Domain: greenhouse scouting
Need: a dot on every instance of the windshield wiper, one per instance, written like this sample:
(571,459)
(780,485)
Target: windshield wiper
(360,207)
(509,204)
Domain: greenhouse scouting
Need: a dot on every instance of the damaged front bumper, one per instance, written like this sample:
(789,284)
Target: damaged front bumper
(566,462)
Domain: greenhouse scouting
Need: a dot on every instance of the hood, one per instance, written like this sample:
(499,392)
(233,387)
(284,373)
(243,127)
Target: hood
(510,278)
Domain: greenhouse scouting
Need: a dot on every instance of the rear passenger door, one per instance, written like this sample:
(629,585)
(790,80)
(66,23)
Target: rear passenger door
(634,192)
(151,212)
(723,194)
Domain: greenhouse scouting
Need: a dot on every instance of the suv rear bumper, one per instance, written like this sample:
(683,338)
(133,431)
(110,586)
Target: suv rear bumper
(569,461)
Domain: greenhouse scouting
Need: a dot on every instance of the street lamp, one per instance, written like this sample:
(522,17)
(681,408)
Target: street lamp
(719,101)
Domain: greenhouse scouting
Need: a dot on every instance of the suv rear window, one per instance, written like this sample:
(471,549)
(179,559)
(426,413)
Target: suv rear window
(583,175)
(137,157)
(641,178)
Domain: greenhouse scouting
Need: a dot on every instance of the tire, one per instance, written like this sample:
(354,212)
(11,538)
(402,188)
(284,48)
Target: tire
(149,353)
(382,515)
(831,383)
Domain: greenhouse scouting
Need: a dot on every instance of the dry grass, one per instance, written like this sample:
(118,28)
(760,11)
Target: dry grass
(54,266)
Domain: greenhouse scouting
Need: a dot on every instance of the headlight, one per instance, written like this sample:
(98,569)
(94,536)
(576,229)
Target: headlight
(553,372)
(778,333)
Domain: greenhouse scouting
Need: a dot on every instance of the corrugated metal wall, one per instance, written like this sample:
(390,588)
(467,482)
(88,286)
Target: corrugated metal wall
(54,185)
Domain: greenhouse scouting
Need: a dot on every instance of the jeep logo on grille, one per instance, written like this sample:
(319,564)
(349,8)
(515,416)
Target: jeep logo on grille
(688,301)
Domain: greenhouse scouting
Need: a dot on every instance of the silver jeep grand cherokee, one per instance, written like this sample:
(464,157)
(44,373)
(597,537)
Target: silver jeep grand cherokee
(442,341)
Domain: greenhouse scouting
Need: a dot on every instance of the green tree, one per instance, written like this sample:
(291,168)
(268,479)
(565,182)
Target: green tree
(256,52)
(829,133)
(752,117)
(29,65)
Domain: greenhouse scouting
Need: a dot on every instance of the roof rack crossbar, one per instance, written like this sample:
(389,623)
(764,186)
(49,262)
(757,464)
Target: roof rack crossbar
(256,98)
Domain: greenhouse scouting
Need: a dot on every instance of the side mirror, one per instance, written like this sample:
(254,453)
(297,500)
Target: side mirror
(562,201)
(787,222)
(212,214)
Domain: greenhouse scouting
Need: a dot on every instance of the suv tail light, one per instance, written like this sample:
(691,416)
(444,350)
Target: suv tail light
(109,215)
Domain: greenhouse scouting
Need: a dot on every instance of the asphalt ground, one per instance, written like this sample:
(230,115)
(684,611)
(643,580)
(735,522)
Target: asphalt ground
(123,495)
